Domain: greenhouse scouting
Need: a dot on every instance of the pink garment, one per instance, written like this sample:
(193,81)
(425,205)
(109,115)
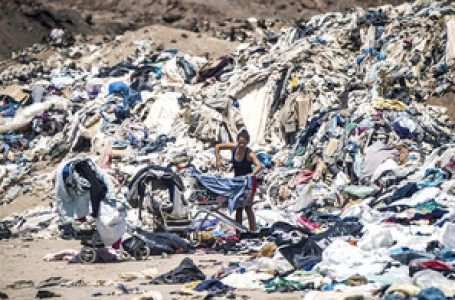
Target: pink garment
(360,130)
(303,176)
(308,224)
(105,159)
(234,238)
(378,117)
(66,254)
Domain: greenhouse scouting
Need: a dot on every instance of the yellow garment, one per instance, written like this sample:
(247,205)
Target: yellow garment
(206,236)
(189,288)
(389,104)
(268,250)
(294,82)
(331,147)
(15,92)
(192,285)
(408,289)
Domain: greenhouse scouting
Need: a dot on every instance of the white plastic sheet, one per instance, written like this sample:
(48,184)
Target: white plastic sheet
(254,108)
(450,46)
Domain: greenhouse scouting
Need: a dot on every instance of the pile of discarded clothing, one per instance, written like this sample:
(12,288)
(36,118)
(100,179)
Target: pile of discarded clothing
(358,187)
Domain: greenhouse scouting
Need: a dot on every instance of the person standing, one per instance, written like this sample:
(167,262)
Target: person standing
(242,159)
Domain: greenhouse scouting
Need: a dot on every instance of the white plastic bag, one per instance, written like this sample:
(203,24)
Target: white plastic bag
(111,223)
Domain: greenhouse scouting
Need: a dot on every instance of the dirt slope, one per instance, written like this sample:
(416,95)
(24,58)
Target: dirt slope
(24,22)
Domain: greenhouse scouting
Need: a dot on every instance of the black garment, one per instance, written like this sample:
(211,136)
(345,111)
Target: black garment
(165,242)
(5,233)
(403,192)
(304,136)
(341,228)
(186,272)
(394,208)
(41,294)
(187,68)
(302,255)
(224,65)
(407,256)
(163,178)
(98,188)
(242,167)
(67,232)
(285,233)
(132,244)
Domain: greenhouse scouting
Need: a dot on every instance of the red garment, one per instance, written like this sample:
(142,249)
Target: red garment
(308,224)
(436,265)
(255,186)
(303,176)
(117,244)
(82,219)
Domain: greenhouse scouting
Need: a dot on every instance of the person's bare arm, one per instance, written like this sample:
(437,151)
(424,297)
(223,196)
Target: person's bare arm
(218,148)
(258,166)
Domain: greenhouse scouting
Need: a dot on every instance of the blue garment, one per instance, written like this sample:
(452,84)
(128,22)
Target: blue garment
(433,177)
(9,108)
(369,51)
(265,159)
(319,41)
(130,99)
(13,140)
(118,88)
(234,188)
(379,31)
(235,103)
(212,285)
(431,294)
(404,191)
(404,132)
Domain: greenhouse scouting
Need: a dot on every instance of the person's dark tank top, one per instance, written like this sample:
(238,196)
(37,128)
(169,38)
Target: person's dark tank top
(243,166)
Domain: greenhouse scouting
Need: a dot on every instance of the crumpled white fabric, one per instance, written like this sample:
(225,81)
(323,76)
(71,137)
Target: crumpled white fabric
(264,264)
(341,179)
(25,115)
(267,217)
(313,192)
(406,122)
(365,213)
(162,113)
(416,235)
(376,237)
(448,235)
(386,166)
(246,281)
(430,278)
(340,260)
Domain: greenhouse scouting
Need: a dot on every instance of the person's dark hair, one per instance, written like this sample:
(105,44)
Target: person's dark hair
(243,133)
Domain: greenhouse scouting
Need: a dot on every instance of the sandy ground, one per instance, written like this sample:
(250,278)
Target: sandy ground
(24,22)
(199,44)
(23,260)
(447,101)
